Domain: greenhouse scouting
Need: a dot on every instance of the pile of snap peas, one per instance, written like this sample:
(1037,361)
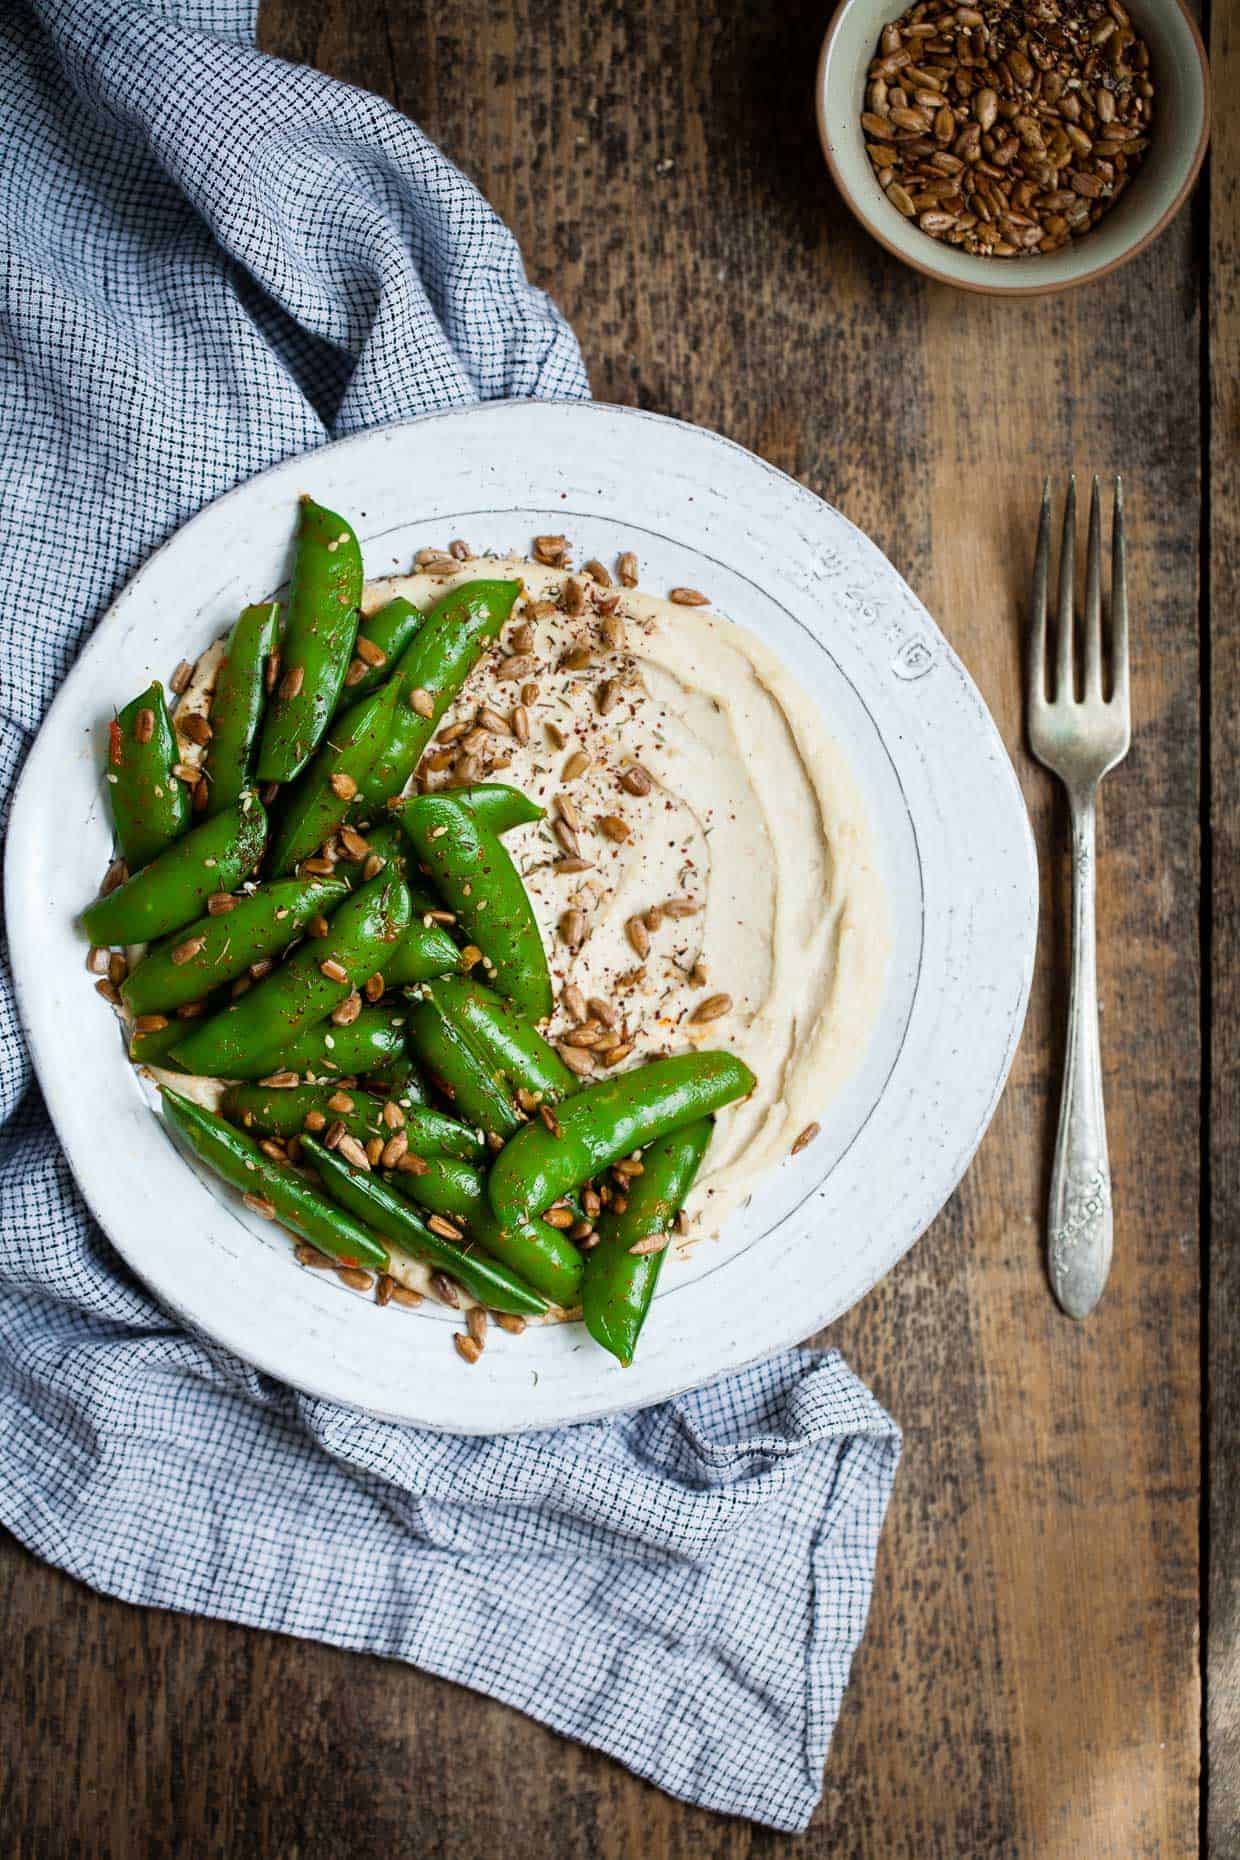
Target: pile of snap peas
(361,964)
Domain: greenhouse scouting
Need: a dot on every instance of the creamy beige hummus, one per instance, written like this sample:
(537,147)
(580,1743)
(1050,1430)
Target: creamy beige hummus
(753,815)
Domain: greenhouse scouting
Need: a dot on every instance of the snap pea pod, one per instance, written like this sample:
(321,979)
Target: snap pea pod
(601,1123)
(473,873)
(150,807)
(389,630)
(219,948)
(438,661)
(486,1280)
(445,1185)
(474,1091)
(321,625)
(271,1112)
(619,1284)
(501,807)
(173,889)
(237,704)
(283,1113)
(375,1039)
(425,950)
(238,1158)
(503,1037)
(431,1133)
(259,1029)
(323,794)
(498,806)
(542,1255)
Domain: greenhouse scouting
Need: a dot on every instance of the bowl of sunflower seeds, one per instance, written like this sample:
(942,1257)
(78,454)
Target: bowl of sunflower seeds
(1014,146)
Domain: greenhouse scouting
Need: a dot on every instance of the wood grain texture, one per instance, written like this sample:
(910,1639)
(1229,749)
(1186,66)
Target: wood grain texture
(1223,803)
(1029,1682)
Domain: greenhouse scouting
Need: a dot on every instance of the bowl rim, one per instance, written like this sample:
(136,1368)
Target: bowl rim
(1014,290)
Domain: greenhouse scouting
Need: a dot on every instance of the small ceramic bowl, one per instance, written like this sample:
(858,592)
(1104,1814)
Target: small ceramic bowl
(1177,145)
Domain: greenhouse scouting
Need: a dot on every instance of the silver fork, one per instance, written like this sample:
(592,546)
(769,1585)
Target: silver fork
(1080,738)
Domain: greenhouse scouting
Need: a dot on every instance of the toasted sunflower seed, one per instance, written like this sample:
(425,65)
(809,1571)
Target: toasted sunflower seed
(575,1002)
(476,1321)
(576,1059)
(346,1012)
(355,1278)
(353,1152)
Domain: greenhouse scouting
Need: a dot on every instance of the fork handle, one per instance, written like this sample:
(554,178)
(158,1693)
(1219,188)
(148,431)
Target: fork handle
(1078,1223)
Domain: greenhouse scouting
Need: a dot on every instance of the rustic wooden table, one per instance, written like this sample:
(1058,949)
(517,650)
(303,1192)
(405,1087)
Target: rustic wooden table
(1031,1680)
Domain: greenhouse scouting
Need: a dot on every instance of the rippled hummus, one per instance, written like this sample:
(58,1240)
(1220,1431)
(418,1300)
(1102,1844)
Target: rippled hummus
(752,824)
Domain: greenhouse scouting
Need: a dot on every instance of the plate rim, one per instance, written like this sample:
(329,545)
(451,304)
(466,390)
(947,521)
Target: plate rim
(22,821)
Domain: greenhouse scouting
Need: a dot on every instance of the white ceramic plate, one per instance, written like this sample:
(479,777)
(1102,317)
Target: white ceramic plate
(951,825)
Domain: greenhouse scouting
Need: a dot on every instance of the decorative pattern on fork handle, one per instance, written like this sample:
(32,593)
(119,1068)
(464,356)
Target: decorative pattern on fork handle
(1078,1216)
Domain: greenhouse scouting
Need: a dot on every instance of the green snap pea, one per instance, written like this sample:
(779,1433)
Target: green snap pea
(476,1093)
(237,704)
(172,890)
(425,950)
(445,1185)
(438,661)
(541,1254)
(219,948)
(272,1112)
(389,631)
(503,1037)
(619,1284)
(431,1133)
(324,793)
(498,806)
(601,1123)
(283,1112)
(319,631)
(376,1203)
(150,807)
(376,1038)
(233,1154)
(254,1034)
(473,873)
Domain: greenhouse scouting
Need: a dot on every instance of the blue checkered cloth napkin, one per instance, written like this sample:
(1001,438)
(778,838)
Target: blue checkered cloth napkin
(212,260)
